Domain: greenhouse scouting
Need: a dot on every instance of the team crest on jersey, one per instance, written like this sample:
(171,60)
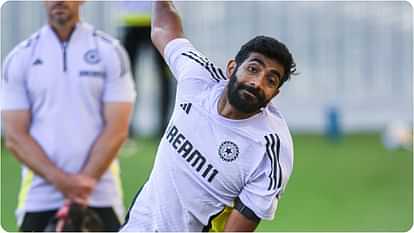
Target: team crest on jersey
(92,57)
(228,151)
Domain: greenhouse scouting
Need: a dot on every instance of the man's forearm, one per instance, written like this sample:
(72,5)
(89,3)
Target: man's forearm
(104,152)
(165,16)
(238,222)
(165,24)
(30,153)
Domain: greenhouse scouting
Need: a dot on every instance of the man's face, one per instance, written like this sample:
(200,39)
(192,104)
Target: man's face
(61,12)
(254,83)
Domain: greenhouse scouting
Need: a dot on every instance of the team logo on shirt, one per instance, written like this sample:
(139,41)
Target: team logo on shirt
(92,57)
(228,151)
(186,107)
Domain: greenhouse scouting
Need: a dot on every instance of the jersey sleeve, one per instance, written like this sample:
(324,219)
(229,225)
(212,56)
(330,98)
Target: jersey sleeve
(258,198)
(14,91)
(263,190)
(119,85)
(190,67)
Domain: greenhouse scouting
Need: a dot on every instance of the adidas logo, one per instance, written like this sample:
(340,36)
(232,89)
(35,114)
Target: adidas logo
(186,107)
(38,62)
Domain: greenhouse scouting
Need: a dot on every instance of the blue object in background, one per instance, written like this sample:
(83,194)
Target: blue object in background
(333,129)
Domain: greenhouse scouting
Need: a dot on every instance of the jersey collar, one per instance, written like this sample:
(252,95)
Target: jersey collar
(71,34)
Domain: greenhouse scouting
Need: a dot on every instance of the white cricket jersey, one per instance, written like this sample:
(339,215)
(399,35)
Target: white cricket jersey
(65,86)
(204,160)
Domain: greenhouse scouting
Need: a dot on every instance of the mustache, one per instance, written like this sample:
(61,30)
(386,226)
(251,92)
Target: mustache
(256,92)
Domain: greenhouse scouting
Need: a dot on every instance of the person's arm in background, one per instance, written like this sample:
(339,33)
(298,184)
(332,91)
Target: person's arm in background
(165,24)
(113,135)
(17,119)
(118,99)
(22,145)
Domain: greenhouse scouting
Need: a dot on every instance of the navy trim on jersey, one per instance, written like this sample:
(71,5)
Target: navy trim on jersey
(204,62)
(275,175)
(112,42)
(270,155)
(204,59)
(28,43)
(124,67)
(207,62)
(36,41)
(32,41)
(245,211)
(129,209)
(279,183)
(6,67)
(102,36)
(6,70)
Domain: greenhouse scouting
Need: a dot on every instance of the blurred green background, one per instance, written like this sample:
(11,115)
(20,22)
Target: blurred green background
(352,185)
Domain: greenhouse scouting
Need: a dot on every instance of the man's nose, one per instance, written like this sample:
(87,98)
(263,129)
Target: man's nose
(256,82)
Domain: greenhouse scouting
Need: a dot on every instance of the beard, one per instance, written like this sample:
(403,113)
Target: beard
(242,103)
(62,17)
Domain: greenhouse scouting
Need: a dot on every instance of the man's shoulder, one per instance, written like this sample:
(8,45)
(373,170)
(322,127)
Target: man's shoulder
(107,44)
(25,48)
(271,127)
(101,36)
(279,123)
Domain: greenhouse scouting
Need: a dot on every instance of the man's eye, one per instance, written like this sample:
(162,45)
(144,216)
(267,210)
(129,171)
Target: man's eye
(252,69)
(272,81)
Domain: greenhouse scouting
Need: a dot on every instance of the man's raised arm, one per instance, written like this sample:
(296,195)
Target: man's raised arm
(165,24)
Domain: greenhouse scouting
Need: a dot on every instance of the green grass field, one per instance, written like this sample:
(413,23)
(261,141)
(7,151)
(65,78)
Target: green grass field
(354,185)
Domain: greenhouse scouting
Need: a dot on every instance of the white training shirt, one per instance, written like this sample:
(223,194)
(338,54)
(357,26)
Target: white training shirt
(65,86)
(204,160)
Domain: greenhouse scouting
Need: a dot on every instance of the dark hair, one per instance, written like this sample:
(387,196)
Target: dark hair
(272,49)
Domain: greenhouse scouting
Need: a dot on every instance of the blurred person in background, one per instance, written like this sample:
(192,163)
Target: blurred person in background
(227,154)
(136,25)
(68,97)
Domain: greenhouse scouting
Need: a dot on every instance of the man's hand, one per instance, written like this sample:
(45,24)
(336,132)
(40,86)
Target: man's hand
(165,24)
(75,187)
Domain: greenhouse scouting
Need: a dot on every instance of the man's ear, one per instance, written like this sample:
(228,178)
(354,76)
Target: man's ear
(231,68)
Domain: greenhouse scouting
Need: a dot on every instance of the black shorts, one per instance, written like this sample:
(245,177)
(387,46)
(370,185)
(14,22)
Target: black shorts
(37,221)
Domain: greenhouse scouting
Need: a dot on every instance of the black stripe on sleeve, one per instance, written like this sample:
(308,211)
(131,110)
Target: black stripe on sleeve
(215,71)
(221,74)
(275,162)
(245,211)
(204,59)
(205,65)
(279,183)
(35,43)
(6,70)
(271,161)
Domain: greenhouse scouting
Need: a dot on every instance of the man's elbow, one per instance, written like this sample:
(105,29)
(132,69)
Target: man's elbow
(160,37)
(12,141)
(123,136)
(120,135)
